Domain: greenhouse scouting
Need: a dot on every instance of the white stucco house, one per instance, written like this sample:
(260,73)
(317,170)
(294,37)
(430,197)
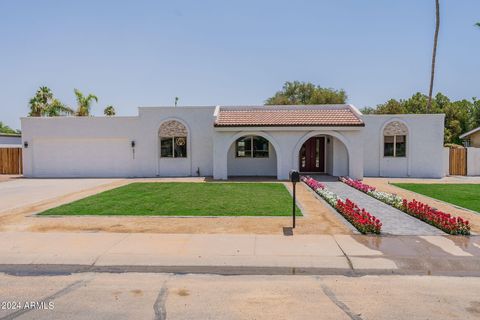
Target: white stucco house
(222,142)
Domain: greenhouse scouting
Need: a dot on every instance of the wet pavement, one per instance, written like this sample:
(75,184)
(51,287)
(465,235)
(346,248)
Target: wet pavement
(60,253)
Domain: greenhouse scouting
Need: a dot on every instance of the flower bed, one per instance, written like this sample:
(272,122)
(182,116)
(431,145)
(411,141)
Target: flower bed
(358,217)
(419,210)
(386,197)
(437,218)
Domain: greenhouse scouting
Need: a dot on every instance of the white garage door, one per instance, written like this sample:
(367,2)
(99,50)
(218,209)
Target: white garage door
(82,158)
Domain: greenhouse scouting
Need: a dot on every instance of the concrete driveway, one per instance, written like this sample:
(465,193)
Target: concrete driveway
(24,192)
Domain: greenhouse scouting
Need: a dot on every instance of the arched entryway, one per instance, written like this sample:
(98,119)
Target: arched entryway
(323,154)
(252,155)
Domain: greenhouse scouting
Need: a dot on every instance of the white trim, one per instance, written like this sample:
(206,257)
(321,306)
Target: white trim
(469,133)
(355,110)
(288,128)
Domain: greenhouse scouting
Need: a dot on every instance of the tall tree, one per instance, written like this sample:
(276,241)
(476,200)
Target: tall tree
(109,111)
(434,54)
(84,103)
(477,24)
(43,104)
(297,92)
(460,116)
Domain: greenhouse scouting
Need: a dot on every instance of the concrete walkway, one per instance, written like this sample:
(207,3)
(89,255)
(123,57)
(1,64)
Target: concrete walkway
(394,222)
(237,254)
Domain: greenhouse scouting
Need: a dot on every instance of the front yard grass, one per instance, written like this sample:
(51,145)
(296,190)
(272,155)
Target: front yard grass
(184,199)
(463,195)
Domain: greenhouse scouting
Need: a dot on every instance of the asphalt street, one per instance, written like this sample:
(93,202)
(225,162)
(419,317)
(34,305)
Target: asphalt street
(176,296)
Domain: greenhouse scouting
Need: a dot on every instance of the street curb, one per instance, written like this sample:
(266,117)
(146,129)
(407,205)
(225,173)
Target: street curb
(59,270)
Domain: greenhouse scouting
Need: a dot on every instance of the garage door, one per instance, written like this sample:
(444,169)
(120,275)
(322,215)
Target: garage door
(82,158)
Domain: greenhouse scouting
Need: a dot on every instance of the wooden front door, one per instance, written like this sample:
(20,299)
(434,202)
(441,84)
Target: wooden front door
(312,155)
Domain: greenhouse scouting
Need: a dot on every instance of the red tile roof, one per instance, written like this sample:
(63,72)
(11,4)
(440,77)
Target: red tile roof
(287,117)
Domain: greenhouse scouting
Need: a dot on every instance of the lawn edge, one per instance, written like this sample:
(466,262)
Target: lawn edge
(435,199)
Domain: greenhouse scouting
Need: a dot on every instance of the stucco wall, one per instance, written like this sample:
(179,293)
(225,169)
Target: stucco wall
(473,161)
(339,158)
(287,143)
(252,166)
(424,146)
(101,146)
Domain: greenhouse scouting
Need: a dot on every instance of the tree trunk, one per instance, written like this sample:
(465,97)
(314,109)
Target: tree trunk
(434,55)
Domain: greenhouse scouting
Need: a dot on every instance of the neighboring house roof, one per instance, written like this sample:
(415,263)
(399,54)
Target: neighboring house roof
(15,135)
(469,133)
(288,116)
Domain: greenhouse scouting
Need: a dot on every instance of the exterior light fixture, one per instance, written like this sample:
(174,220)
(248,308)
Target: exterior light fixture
(25,144)
(133,144)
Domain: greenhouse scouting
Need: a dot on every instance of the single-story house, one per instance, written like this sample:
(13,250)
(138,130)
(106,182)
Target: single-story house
(11,139)
(471,138)
(223,141)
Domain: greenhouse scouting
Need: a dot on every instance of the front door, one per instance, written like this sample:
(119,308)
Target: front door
(312,155)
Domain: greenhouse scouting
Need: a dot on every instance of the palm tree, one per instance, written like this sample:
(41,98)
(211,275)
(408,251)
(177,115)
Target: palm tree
(434,54)
(109,111)
(84,103)
(43,104)
(477,24)
(57,108)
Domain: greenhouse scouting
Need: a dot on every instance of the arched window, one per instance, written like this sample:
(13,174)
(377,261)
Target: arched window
(173,139)
(252,147)
(395,140)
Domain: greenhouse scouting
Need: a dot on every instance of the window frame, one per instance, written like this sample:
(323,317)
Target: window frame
(173,156)
(395,145)
(252,148)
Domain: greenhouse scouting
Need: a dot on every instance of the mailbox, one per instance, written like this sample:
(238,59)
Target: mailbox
(294,176)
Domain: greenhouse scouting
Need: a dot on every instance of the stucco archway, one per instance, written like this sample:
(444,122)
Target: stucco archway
(337,162)
(276,149)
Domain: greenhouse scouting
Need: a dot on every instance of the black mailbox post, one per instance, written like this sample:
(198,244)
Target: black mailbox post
(294,178)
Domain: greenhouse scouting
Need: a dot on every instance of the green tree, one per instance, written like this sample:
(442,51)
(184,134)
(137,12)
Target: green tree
(109,111)
(84,103)
(6,129)
(434,54)
(477,24)
(297,93)
(460,116)
(43,104)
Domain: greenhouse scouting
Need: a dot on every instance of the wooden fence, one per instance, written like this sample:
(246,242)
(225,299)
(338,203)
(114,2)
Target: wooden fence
(11,161)
(458,161)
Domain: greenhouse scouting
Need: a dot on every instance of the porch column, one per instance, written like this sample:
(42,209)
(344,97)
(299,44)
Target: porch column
(220,171)
(355,157)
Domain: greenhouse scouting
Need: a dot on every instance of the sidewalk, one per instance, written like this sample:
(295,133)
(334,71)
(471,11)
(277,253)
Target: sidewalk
(240,254)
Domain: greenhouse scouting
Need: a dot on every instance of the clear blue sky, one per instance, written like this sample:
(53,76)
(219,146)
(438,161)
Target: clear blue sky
(144,53)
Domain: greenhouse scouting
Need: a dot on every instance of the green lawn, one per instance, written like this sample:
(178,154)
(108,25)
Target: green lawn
(463,195)
(185,199)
